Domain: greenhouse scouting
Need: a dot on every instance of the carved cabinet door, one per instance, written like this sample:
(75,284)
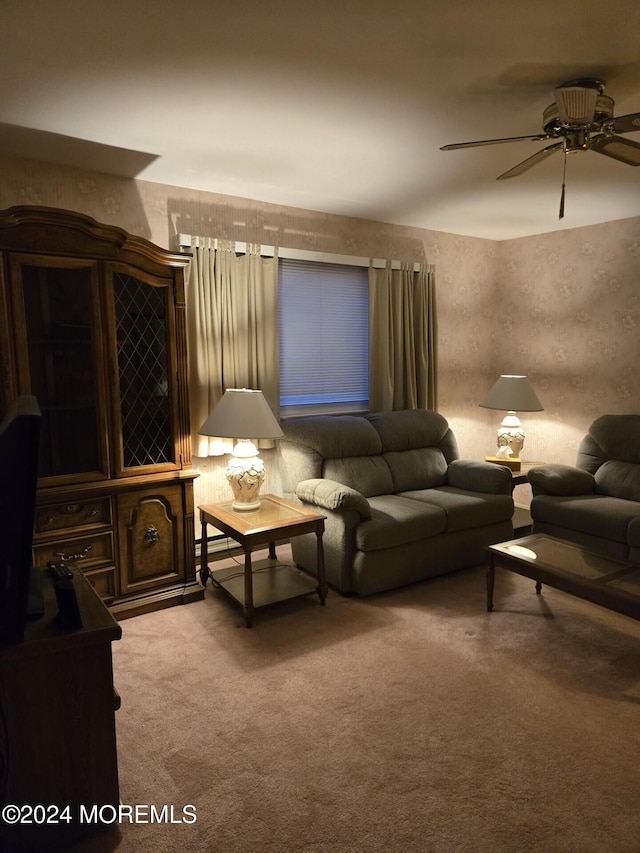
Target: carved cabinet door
(150,536)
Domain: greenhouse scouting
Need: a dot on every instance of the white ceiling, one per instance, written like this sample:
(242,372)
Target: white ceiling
(332,105)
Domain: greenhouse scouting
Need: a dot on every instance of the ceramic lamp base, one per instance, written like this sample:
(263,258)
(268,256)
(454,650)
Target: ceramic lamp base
(245,474)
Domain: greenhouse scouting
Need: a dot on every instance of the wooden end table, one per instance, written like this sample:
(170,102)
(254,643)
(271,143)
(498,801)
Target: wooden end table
(266,583)
(522,514)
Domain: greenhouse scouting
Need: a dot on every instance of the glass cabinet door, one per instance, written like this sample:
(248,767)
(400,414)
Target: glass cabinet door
(145,359)
(58,357)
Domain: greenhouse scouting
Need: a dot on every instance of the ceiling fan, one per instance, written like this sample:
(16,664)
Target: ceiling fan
(581,118)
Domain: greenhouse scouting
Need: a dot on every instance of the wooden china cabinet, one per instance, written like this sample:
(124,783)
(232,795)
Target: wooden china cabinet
(92,323)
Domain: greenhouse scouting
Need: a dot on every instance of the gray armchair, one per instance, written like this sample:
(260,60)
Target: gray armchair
(597,502)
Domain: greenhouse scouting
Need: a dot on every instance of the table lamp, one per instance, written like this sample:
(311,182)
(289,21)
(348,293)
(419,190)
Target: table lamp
(240,413)
(511,394)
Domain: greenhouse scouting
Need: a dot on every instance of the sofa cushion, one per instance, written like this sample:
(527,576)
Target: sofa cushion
(309,441)
(334,437)
(396,520)
(422,468)
(618,436)
(370,475)
(409,429)
(465,509)
(610,437)
(596,515)
(619,479)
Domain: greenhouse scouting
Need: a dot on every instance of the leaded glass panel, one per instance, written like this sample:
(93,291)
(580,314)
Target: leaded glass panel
(143,364)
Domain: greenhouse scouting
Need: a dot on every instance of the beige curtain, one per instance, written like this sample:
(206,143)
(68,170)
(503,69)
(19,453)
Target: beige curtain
(232,330)
(403,339)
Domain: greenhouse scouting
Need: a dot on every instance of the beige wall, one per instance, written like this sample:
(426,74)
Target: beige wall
(563,307)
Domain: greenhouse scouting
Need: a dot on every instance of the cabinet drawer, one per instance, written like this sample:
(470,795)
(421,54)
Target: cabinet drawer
(91,551)
(104,582)
(73,514)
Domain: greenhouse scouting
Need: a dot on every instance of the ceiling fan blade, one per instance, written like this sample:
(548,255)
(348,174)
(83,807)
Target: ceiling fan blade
(626,124)
(538,157)
(539,137)
(617,147)
(576,104)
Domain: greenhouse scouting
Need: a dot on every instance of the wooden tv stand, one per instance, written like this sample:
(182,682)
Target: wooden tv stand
(57,722)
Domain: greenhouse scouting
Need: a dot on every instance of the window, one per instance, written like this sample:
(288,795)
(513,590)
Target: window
(323,321)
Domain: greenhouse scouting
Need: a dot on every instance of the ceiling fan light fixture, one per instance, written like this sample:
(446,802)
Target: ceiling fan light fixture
(576,104)
(556,124)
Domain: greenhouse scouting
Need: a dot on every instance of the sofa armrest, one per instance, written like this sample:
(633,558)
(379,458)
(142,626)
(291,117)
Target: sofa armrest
(556,479)
(474,476)
(328,494)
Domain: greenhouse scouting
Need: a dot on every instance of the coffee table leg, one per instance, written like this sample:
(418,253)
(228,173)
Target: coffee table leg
(538,587)
(248,589)
(491,573)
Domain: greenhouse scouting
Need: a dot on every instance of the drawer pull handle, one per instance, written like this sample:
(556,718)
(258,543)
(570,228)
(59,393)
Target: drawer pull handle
(71,509)
(151,535)
(65,557)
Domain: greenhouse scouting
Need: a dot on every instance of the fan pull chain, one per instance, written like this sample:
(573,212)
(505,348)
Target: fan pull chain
(564,175)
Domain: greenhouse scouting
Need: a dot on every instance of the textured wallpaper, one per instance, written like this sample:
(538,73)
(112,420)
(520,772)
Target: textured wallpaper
(562,307)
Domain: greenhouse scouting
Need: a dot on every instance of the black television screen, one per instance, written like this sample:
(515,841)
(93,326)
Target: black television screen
(19,451)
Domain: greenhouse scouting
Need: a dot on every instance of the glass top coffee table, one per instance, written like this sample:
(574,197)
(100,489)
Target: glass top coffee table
(614,584)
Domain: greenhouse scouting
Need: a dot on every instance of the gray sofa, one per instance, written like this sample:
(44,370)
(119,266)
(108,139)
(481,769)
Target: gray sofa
(400,505)
(597,502)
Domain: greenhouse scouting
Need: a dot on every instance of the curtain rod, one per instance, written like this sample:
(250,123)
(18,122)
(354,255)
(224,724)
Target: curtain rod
(185,242)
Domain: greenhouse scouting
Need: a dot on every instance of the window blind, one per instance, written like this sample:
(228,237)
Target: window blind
(323,318)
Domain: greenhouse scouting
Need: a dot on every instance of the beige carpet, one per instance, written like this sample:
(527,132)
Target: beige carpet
(412,721)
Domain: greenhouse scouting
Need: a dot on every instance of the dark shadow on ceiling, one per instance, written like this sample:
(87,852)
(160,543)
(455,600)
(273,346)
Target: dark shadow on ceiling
(16,141)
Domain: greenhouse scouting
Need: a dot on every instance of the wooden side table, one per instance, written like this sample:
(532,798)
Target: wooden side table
(519,478)
(521,514)
(264,584)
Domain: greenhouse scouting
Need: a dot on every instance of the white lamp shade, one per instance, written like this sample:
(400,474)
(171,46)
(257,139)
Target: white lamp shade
(512,394)
(242,413)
